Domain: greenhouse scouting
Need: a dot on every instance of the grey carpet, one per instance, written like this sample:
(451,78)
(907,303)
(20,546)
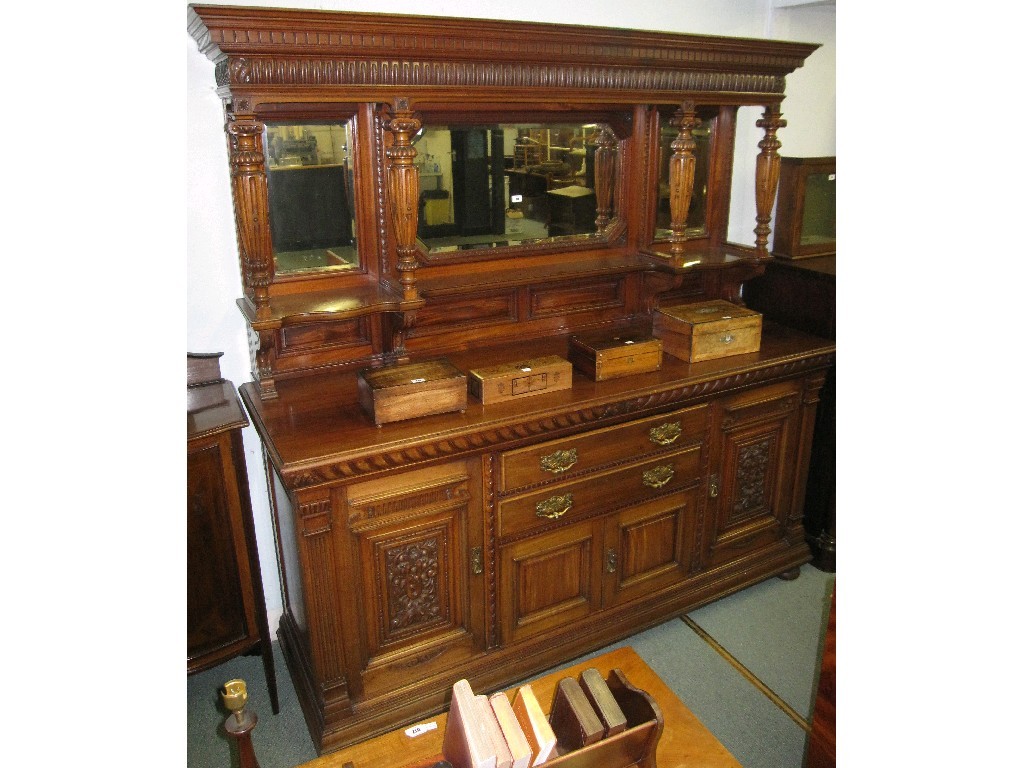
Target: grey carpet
(772,629)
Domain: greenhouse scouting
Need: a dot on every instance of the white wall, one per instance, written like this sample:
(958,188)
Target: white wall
(214,282)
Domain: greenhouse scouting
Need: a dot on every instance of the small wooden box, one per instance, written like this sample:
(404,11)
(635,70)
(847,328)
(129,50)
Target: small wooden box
(405,391)
(512,381)
(708,330)
(609,357)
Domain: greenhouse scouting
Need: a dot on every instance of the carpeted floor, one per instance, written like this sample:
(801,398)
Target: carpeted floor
(745,665)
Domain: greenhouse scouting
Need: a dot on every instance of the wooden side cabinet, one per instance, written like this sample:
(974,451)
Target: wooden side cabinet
(802,294)
(227,613)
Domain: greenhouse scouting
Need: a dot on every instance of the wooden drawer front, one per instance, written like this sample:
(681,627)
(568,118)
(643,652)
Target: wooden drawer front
(600,492)
(447,314)
(577,296)
(549,581)
(583,453)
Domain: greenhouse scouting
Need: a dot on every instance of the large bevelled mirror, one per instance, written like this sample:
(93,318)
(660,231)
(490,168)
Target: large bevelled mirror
(310,189)
(486,186)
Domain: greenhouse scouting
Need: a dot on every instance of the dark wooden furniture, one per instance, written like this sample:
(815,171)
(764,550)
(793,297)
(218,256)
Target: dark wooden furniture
(227,614)
(501,541)
(802,294)
(805,219)
(684,740)
(821,746)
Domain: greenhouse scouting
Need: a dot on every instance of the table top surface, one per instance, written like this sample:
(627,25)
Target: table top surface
(684,742)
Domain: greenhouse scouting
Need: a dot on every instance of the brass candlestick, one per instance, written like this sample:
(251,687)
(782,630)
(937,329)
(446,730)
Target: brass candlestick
(240,722)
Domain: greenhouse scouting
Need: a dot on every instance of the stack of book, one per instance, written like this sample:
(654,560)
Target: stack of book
(495,732)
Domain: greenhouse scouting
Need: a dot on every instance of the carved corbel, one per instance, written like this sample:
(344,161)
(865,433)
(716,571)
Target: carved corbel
(769,165)
(262,354)
(681,170)
(400,322)
(403,193)
(252,209)
(606,145)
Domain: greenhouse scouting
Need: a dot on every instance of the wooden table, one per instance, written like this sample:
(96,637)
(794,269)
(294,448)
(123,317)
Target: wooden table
(684,742)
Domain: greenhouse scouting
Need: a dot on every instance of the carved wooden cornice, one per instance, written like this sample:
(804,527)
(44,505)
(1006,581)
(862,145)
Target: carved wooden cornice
(275,47)
(450,446)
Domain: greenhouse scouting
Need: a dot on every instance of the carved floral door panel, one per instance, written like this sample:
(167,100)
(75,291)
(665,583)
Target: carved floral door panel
(751,492)
(411,540)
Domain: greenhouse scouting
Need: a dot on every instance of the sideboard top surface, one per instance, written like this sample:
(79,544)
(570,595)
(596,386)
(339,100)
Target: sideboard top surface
(316,432)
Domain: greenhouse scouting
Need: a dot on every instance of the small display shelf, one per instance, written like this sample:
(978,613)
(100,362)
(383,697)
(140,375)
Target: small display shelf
(805,218)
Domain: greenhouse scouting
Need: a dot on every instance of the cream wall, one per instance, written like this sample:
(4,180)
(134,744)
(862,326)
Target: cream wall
(213,280)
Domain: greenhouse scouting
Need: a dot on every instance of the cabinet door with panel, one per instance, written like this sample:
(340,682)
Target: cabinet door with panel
(550,580)
(412,540)
(752,490)
(649,548)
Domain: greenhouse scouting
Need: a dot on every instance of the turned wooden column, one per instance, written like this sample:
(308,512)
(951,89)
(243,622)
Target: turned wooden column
(403,193)
(604,170)
(252,209)
(769,165)
(681,168)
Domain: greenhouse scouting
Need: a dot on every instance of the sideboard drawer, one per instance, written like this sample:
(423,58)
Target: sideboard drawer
(581,453)
(600,492)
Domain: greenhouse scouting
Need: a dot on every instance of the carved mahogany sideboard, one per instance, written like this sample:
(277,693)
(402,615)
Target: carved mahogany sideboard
(499,541)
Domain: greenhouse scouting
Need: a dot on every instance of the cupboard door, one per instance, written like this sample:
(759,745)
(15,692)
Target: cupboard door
(411,538)
(753,489)
(550,580)
(649,547)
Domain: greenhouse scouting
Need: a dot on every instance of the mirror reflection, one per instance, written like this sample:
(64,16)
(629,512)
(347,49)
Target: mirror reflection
(310,189)
(696,220)
(487,186)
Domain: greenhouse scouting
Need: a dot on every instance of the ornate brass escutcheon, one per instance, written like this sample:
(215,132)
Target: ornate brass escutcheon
(476,560)
(554,507)
(559,461)
(666,434)
(659,476)
(713,487)
(611,561)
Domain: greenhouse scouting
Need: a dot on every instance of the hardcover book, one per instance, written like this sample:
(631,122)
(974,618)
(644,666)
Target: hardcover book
(603,701)
(534,724)
(515,738)
(466,743)
(502,755)
(573,719)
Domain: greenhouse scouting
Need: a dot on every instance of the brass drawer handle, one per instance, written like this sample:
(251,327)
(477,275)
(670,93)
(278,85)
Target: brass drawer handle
(666,434)
(554,507)
(559,461)
(659,476)
(728,338)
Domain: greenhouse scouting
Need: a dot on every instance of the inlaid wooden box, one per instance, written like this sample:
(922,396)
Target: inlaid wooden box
(511,381)
(604,357)
(708,330)
(408,390)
